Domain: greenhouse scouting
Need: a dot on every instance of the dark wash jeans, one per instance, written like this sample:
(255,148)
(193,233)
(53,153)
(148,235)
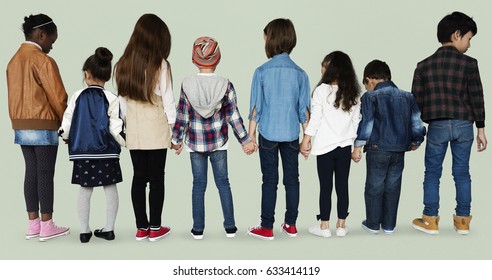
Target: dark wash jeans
(148,167)
(383,186)
(269,155)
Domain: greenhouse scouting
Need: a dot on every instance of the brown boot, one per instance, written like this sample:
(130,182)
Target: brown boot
(462,224)
(427,224)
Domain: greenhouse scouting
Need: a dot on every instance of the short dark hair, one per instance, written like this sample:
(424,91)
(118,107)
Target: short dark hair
(451,23)
(40,21)
(280,37)
(99,64)
(377,69)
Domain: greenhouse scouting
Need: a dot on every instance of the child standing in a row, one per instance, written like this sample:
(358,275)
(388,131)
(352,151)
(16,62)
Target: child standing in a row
(93,131)
(143,78)
(207,104)
(279,103)
(335,111)
(34,76)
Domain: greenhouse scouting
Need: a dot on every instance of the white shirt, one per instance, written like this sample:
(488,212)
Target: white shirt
(331,127)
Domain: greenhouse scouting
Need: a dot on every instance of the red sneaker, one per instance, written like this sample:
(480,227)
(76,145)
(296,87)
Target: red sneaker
(156,235)
(261,233)
(290,230)
(142,234)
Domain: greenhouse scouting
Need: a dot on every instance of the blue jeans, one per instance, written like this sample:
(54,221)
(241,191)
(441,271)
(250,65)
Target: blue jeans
(269,151)
(199,165)
(460,135)
(383,186)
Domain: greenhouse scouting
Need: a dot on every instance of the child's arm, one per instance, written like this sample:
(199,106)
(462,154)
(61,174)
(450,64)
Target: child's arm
(236,122)
(67,117)
(366,125)
(167,94)
(56,94)
(182,122)
(481,140)
(304,100)
(115,121)
(418,129)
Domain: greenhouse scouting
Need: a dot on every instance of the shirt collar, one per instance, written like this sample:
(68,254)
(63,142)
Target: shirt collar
(384,84)
(33,43)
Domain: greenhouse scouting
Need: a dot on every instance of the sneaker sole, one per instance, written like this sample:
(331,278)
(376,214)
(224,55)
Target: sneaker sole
(28,237)
(370,230)
(288,233)
(197,237)
(462,231)
(141,238)
(46,238)
(159,238)
(260,236)
(428,231)
(230,235)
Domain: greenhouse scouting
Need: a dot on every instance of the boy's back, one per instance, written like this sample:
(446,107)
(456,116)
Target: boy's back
(447,85)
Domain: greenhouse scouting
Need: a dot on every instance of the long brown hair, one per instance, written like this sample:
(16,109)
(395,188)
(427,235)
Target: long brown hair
(137,71)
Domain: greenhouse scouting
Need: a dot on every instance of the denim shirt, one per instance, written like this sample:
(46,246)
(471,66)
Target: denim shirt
(390,120)
(280,95)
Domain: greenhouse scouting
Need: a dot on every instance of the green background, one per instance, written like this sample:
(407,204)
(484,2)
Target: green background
(398,32)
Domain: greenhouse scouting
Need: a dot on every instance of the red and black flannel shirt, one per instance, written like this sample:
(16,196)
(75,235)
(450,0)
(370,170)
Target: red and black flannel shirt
(447,85)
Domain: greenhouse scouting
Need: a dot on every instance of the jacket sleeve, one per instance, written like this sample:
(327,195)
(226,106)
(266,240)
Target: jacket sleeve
(475,92)
(54,88)
(418,88)
(418,129)
(67,117)
(115,121)
(367,122)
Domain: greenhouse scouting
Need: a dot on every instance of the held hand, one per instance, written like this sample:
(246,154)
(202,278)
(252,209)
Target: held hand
(481,142)
(356,155)
(305,148)
(66,141)
(414,147)
(177,147)
(250,148)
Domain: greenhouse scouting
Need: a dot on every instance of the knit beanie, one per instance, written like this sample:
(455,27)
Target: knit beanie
(206,52)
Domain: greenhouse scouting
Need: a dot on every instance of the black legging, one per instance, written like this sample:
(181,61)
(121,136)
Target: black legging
(38,179)
(335,162)
(148,167)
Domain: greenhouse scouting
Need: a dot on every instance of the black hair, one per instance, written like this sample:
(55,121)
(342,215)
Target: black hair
(99,64)
(451,23)
(339,69)
(280,37)
(377,69)
(40,21)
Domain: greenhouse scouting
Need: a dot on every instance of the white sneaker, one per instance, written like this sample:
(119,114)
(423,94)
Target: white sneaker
(342,231)
(316,230)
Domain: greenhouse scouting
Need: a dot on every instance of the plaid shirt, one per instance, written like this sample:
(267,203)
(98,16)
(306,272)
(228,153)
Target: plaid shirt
(207,135)
(447,86)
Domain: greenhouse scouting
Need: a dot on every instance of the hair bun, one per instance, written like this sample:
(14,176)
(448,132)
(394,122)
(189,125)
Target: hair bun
(103,55)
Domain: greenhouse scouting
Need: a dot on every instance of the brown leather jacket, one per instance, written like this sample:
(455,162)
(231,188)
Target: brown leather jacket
(36,95)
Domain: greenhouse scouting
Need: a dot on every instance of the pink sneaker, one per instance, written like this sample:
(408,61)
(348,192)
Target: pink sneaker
(33,229)
(49,230)
(156,235)
(142,234)
(290,230)
(261,233)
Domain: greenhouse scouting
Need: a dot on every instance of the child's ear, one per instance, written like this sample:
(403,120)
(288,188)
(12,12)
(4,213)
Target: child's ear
(456,36)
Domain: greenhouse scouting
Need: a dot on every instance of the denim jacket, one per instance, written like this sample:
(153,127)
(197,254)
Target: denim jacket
(390,120)
(280,95)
